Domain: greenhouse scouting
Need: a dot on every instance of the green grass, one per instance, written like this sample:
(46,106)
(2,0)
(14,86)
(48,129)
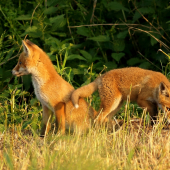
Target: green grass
(133,146)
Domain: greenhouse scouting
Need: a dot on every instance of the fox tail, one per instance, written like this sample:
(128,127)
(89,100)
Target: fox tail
(84,91)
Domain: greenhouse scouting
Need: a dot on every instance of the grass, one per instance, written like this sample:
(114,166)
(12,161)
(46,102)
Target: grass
(133,146)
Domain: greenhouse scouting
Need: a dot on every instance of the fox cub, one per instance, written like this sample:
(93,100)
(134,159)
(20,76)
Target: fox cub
(52,91)
(149,89)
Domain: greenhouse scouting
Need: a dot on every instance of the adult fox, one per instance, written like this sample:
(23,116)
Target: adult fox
(52,91)
(149,89)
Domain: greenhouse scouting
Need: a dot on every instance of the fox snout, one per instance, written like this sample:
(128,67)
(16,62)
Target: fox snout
(16,73)
(13,72)
(19,71)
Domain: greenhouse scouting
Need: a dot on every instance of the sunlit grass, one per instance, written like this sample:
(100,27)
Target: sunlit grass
(133,146)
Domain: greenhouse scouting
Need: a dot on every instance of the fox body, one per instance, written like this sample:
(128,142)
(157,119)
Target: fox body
(52,91)
(149,89)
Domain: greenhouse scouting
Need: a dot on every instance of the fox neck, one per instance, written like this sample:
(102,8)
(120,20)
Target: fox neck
(42,73)
(37,79)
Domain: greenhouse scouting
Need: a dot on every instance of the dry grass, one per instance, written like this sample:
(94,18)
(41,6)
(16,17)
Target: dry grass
(133,146)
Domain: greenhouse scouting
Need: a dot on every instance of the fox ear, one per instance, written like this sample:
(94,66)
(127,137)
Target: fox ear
(163,89)
(25,48)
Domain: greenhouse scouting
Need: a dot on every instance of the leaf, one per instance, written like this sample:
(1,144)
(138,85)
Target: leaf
(76,56)
(33,31)
(58,22)
(134,61)
(26,123)
(136,16)
(18,86)
(47,22)
(83,31)
(146,10)
(116,6)
(100,38)
(143,10)
(117,56)
(9,54)
(122,34)
(24,17)
(33,101)
(77,71)
(86,55)
(56,19)
(145,65)
(50,10)
(53,2)
(118,45)
(153,40)
(111,65)
(52,40)
(60,34)
(52,57)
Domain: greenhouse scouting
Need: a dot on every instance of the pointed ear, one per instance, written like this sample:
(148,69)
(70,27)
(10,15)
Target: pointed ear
(163,89)
(25,48)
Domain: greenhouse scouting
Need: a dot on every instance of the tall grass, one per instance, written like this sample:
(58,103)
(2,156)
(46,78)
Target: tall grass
(133,146)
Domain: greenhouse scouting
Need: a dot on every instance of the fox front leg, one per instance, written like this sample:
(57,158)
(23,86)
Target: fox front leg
(46,125)
(60,117)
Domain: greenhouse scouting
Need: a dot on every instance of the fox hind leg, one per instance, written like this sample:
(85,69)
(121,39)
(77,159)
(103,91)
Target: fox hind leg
(109,108)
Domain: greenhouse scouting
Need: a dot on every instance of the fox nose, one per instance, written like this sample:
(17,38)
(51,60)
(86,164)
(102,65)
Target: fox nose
(13,72)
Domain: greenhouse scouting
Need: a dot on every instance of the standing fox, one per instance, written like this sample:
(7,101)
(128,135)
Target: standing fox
(148,88)
(52,91)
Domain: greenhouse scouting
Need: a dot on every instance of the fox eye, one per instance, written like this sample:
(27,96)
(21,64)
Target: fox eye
(168,108)
(20,62)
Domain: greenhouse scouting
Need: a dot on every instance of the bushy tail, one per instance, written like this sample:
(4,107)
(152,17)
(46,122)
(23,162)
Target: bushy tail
(84,91)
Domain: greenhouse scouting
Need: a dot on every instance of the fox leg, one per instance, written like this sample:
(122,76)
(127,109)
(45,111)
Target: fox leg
(109,108)
(60,116)
(151,107)
(46,120)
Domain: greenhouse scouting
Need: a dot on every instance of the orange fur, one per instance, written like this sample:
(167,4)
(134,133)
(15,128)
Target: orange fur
(149,89)
(52,91)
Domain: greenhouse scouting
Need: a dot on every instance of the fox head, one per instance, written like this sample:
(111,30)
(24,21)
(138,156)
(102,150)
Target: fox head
(28,59)
(164,99)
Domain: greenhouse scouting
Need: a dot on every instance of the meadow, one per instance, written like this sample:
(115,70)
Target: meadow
(131,144)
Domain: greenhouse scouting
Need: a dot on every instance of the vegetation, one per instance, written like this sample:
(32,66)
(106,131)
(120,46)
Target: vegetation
(124,149)
(83,38)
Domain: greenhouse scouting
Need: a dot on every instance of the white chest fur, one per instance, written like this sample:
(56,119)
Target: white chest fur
(41,96)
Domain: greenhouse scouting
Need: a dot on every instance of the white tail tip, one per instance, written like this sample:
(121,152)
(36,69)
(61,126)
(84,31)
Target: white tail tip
(76,106)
